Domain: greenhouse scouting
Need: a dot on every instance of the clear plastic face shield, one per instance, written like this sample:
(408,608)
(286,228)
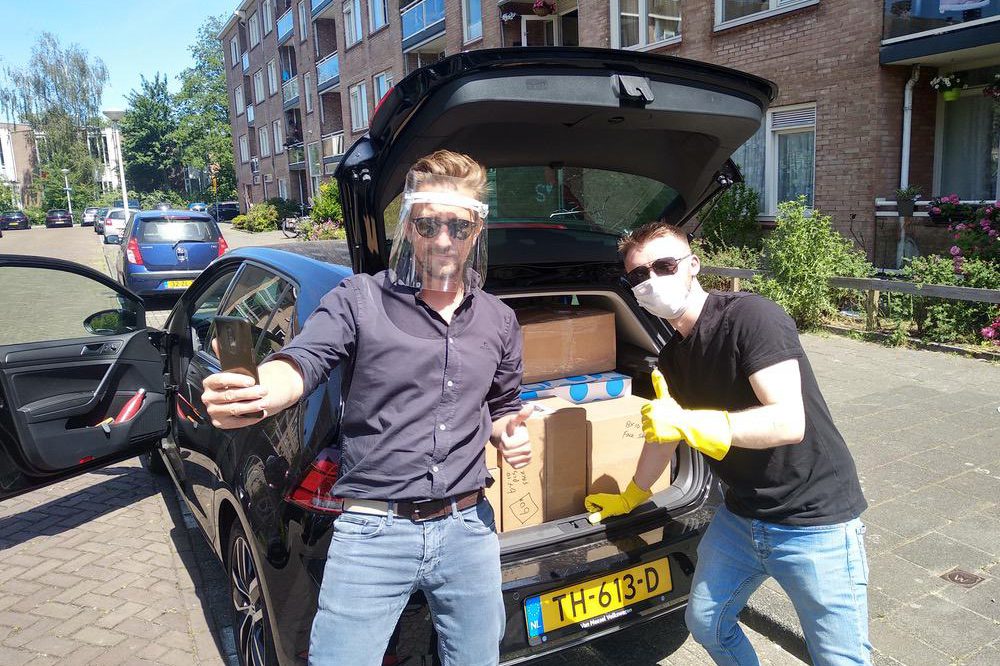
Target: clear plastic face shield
(440,241)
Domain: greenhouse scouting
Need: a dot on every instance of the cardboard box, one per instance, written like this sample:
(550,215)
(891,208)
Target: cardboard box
(581,389)
(615,441)
(564,341)
(553,484)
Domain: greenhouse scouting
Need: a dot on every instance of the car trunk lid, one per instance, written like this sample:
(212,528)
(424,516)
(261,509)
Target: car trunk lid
(177,242)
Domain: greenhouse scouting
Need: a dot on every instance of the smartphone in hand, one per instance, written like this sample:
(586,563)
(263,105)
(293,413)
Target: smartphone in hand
(234,342)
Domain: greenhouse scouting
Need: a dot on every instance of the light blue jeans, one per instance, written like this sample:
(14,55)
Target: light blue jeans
(823,570)
(376,562)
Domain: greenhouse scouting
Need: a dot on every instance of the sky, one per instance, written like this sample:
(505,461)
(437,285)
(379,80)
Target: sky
(132,37)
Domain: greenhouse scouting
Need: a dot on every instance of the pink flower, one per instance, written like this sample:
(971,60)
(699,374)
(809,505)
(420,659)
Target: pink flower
(992,233)
(955,250)
(988,333)
(956,236)
(935,210)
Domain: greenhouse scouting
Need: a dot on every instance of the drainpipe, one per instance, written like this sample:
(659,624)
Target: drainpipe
(904,167)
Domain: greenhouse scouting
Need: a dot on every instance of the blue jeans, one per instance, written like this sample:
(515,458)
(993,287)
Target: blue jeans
(376,562)
(823,569)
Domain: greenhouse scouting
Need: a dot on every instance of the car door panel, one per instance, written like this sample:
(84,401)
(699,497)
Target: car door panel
(54,393)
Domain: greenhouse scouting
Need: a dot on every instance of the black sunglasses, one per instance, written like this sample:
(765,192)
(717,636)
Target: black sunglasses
(662,266)
(430,227)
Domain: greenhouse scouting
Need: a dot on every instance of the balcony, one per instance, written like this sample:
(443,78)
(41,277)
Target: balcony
(296,157)
(327,72)
(333,147)
(290,92)
(916,31)
(245,60)
(250,115)
(319,5)
(286,25)
(423,20)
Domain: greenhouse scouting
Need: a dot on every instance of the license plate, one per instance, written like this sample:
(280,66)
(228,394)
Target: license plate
(178,284)
(596,601)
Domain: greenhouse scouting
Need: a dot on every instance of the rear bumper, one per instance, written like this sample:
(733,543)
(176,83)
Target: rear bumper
(153,283)
(60,223)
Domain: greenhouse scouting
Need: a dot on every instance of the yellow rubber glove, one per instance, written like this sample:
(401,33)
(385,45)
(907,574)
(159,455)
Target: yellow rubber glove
(605,505)
(664,421)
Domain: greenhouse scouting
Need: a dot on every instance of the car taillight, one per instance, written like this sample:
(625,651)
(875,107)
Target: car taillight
(223,246)
(132,252)
(314,491)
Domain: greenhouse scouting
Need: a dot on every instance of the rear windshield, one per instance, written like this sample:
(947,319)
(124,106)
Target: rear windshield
(90,210)
(57,212)
(167,230)
(117,215)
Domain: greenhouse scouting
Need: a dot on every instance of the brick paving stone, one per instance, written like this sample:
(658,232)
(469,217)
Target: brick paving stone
(56,610)
(52,645)
(98,636)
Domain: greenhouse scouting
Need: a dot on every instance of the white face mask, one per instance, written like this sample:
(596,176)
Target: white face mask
(664,296)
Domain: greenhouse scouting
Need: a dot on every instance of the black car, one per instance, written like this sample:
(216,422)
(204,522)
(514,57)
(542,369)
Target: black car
(99,220)
(14,220)
(627,137)
(224,210)
(57,217)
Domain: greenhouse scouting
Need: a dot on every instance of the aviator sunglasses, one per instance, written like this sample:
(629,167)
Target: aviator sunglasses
(430,227)
(662,266)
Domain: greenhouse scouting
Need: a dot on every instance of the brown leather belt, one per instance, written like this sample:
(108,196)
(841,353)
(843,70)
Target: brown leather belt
(416,511)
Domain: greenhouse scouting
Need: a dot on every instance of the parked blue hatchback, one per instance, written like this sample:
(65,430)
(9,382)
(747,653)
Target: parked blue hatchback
(163,251)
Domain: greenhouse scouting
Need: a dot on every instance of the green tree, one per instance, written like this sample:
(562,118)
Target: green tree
(203,132)
(148,140)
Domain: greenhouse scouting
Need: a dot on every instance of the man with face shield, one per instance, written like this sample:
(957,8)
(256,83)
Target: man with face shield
(735,384)
(434,373)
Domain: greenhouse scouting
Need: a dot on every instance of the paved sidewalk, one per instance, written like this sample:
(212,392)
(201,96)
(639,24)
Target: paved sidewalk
(924,429)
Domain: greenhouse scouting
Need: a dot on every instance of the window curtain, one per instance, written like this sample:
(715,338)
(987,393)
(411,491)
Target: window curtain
(969,151)
(750,159)
(629,19)
(795,166)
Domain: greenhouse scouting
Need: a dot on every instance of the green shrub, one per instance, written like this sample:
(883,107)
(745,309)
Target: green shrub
(149,200)
(36,216)
(285,207)
(725,257)
(313,231)
(802,253)
(942,320)
(731,220)
(261,217)
(326,205)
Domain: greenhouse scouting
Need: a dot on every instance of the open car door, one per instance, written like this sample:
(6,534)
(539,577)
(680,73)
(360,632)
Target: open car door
(74,349)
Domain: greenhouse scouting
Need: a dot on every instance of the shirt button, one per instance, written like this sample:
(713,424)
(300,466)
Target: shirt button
(434,469)
(442,426)
(451,383)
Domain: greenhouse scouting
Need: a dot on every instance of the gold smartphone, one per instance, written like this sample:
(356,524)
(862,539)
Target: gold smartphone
(234,339)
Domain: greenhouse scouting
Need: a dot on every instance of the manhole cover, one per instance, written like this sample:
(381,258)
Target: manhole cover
(963,578)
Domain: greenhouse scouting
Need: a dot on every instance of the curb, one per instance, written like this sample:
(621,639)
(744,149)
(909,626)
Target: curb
(914,343)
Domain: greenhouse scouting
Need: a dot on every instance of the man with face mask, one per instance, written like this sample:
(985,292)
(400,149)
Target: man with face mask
(737,386)
(435,373)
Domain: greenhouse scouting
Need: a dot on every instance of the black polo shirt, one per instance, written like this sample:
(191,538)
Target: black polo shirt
(423,392)
(813,482)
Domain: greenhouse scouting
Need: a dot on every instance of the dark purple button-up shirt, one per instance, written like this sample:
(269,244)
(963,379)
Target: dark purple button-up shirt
(423,394)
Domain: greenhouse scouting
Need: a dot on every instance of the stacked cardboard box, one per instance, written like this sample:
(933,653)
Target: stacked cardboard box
(565,341)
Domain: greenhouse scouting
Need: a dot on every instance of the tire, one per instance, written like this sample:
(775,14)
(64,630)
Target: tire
(251,618)
(154,463)
(290,231)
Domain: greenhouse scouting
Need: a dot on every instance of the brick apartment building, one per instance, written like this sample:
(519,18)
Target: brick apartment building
(305,76)
(17,162)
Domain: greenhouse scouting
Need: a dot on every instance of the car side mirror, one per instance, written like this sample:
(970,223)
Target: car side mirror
(110,322)
(113,239)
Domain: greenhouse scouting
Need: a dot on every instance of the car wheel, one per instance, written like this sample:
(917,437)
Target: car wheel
(251,623)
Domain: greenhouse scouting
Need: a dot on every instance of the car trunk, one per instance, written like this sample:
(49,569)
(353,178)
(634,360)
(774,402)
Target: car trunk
(581,146)
(177,243)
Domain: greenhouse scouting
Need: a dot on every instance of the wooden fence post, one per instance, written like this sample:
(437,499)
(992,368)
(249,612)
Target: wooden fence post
(871,310)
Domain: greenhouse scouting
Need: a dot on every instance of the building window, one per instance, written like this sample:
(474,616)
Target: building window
(279,140)
(258,86)
(244,149)
(272,77)
(379,14)
(267,9)
(307,83)
(352,22)
(303,21)
(254,23)
(382,83)
(472,19)
(314,162)
(642,23)
(283,188)
(727,11)
(779,160)
(264,142)
(359,106)
(234,50)
(240,99)
(969,145)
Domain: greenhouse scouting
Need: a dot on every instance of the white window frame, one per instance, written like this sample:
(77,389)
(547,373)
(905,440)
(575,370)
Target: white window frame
(386,77)
(264,141)
(283,188)
(353,30)
(467,27)
(553,19)
(303,21)
(258,86)
(234,50)
(775,8)
(362,106)
(384,5)
(239,99)
(244,149)
(272,77)
(253,26)
(278,134)
(308,88)
(267,11)
(616,29)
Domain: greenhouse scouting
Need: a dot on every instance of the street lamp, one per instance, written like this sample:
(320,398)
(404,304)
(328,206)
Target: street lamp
(114,116)
(69,199)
